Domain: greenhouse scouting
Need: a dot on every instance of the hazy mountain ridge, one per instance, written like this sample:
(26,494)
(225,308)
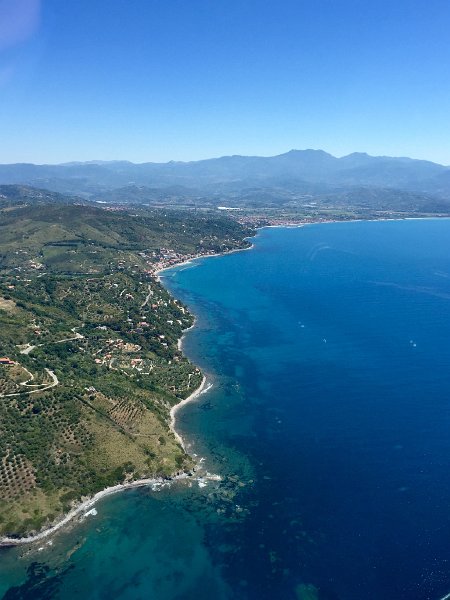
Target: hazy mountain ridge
(296,172)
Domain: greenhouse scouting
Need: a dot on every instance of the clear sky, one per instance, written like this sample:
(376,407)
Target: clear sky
(155,80)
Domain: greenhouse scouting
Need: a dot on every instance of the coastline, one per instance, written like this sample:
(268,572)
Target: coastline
(86,505)
(173,411)
(188,261)
(204,385)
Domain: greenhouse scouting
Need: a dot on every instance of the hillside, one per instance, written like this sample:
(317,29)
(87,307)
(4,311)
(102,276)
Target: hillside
(77,238)
(15,195)
(90,365)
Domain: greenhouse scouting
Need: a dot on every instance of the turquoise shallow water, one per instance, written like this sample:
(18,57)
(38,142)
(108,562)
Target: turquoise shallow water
(329,421)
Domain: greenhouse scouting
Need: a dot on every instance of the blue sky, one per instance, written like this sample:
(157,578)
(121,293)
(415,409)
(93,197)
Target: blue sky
(155,80)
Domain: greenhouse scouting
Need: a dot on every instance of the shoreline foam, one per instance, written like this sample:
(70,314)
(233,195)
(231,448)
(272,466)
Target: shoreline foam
(87,504)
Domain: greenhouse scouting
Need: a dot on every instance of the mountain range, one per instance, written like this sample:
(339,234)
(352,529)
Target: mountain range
(250,179)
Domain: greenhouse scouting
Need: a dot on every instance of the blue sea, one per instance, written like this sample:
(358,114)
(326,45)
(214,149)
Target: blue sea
(328,347)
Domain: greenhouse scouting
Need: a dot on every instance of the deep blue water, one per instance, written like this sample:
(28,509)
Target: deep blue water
(329,421)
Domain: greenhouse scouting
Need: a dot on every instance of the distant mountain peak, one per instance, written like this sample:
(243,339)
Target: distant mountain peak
(308,151)
(356,154)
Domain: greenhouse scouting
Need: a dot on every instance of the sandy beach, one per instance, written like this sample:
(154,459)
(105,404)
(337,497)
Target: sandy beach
(189,261)
(173,411)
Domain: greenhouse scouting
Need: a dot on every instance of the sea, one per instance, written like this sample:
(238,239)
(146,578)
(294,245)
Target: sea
(323,444)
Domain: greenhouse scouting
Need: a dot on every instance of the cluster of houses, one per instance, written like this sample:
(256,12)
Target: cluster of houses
(167,258)
(110,346)
(118,344)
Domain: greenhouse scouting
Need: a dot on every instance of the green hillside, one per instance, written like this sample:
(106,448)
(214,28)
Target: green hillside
(89,363)
(74,238)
